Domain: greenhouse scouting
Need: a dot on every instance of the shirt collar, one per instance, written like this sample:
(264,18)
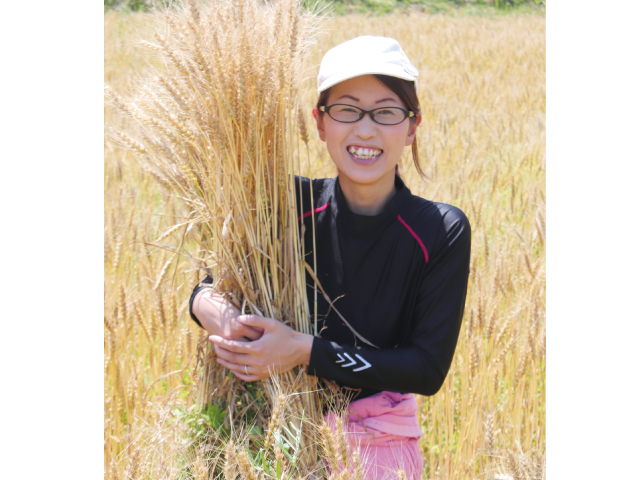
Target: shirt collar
(369,224)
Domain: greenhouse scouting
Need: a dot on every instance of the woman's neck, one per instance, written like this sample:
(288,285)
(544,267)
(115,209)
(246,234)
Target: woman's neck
(367,200)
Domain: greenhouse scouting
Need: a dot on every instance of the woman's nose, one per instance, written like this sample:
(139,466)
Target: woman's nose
(365,127)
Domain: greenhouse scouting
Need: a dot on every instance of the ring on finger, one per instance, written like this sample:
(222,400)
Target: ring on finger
(245,370)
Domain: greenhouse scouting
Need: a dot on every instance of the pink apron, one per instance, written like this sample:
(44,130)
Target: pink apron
(385,426)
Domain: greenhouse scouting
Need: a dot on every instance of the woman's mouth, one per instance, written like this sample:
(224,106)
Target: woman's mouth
(364,155)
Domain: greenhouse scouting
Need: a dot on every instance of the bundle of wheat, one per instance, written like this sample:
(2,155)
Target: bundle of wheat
(218,127)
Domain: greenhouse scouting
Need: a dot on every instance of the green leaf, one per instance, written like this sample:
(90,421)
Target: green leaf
(265,465)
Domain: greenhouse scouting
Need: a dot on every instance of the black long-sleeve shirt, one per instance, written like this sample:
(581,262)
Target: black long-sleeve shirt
(399,278)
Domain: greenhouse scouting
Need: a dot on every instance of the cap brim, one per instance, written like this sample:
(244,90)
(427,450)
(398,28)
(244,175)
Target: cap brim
(357,72)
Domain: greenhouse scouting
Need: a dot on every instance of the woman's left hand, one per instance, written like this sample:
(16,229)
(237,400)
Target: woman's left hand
(278,350)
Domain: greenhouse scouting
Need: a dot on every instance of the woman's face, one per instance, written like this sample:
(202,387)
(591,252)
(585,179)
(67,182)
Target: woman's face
(385,143)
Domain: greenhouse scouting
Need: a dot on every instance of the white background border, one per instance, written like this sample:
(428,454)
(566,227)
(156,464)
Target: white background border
(51,201)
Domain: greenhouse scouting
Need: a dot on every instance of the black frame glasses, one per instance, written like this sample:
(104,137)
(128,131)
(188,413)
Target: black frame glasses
(371,113)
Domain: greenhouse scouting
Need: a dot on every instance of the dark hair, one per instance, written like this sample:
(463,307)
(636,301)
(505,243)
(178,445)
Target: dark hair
(406,92)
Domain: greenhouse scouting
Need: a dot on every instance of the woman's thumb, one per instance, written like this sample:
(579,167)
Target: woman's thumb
(255,321)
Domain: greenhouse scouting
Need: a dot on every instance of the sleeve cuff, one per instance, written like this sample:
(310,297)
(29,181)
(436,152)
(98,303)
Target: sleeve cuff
(206,283)
(315,359)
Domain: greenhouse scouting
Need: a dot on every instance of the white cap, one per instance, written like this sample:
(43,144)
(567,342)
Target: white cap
(363,56)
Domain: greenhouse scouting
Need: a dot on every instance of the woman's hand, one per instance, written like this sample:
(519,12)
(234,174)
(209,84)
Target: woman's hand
(279,349)
(219,317)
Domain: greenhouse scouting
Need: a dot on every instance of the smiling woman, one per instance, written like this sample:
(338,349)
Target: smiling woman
(365,152)
(393,266)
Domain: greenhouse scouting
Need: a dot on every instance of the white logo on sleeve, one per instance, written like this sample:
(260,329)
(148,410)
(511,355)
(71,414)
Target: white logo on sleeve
(353,362)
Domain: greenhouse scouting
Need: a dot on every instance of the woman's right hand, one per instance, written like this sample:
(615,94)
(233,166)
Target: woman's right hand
(219,317)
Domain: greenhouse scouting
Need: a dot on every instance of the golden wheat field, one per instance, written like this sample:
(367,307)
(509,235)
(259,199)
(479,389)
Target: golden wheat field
(482,144)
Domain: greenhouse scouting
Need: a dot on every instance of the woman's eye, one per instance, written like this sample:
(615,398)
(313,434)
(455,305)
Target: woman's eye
(386,112)
(347,110)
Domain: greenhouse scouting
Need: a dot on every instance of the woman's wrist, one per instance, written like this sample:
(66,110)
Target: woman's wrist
(214,312)
(305,344)
(195,306)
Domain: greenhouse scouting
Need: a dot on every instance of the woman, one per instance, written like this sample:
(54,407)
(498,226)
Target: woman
(394,265)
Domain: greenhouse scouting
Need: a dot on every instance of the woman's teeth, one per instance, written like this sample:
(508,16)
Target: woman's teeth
(365,152)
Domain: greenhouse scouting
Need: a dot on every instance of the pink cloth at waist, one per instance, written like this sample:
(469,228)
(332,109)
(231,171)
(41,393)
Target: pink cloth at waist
(381,418)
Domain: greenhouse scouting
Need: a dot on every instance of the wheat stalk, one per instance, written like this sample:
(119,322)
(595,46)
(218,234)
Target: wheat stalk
(216,132)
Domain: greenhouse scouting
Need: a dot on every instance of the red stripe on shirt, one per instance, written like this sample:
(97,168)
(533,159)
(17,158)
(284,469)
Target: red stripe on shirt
(424,249)
(319,209)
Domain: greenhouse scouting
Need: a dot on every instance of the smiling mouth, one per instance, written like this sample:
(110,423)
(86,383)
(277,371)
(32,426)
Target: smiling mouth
(364,153)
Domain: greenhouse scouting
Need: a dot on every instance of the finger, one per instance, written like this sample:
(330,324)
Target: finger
(257,321)
(250,332)
(247,378)
(239,358)
(231,345)
(234,366)
(239,370)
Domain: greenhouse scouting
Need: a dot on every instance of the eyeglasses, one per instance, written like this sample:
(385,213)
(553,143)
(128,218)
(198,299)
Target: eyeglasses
(343,113)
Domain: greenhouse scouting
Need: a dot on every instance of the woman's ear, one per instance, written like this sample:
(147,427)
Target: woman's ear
(411,135)
(319,123)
